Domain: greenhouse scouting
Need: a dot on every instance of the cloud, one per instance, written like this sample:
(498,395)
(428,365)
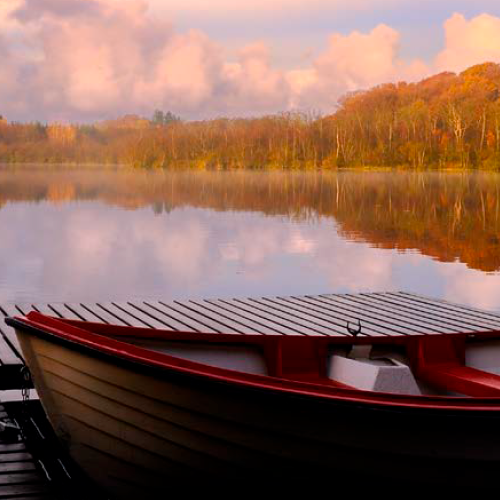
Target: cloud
(471,287)
(469,42)
(373,269)
(253,80)
(9,68)
(88,59)
(7,8)
(93,59)
(352,62)
(92,54)
(92,258)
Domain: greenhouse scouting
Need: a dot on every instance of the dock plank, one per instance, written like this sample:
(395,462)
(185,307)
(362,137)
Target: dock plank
(340,314)
(418,321)
(335,304)
(7,355)
(352,306)
(454,305)
(163,322)
(334,324)
(433,319)
(33,467)
(15,457)
(146,319)
(253,323)
(75,311)
(44,309)
(191,314)
(469,316)
(447,316)
(9,335)
(223,323)
(304,324)
(15,490)
(263,323)
(11,447)
(179,321)
(39,496)
(122,318)
(22,309)
(20,478)
(95,313)
(17,466)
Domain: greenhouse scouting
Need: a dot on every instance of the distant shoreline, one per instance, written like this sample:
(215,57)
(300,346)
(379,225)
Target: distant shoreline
(446,121)
(124,166)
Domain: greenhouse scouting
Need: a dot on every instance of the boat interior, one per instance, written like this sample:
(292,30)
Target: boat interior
(435,364)
(380,367)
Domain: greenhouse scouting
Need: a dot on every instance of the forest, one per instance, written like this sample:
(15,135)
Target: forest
(446,121)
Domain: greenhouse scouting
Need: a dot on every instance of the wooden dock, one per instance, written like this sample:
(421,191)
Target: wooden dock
(21,476)
(23,469)
(32,464)
(387,314)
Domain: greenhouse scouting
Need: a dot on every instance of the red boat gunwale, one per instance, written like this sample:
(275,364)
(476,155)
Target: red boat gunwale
(281,353)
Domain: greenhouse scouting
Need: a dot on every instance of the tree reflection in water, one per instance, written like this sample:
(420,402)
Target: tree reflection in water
(303,236)
(448,216)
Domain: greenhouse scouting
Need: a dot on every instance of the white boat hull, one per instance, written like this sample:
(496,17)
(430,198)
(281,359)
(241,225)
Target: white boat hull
(132,432)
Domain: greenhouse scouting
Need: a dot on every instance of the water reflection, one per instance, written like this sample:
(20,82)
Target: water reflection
(100,235)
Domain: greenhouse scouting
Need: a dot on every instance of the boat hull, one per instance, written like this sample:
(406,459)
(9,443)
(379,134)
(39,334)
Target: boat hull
(133,431)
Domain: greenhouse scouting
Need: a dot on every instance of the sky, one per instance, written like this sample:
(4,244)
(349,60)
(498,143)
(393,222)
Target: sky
(86,60)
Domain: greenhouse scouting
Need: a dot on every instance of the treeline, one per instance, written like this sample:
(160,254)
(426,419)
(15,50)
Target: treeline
(447,120)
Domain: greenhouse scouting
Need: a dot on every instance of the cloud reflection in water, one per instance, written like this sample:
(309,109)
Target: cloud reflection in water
(218,235)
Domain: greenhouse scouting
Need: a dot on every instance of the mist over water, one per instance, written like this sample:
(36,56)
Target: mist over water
(97,235)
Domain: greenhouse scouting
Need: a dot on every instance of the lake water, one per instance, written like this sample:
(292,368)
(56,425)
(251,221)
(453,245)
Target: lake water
(94,234)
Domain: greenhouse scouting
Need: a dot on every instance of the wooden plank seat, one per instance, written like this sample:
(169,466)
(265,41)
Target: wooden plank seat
(440,362)
(463,380)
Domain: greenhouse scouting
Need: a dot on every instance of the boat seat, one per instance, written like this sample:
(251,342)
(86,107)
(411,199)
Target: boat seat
(463,380)
(440,362)
(388,375)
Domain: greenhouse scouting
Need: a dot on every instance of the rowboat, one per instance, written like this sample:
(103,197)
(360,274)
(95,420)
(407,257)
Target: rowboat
(140,409)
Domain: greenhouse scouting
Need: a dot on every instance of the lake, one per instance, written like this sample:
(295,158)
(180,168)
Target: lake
(91,234)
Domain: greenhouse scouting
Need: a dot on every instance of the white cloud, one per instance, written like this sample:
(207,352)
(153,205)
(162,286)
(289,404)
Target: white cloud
(373,269)
(351,62)
(300,244)
(9,67)
(253,80)
(179,249)
(7,7)
(469,42)
(98,58)
(92,59)
(468,286)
